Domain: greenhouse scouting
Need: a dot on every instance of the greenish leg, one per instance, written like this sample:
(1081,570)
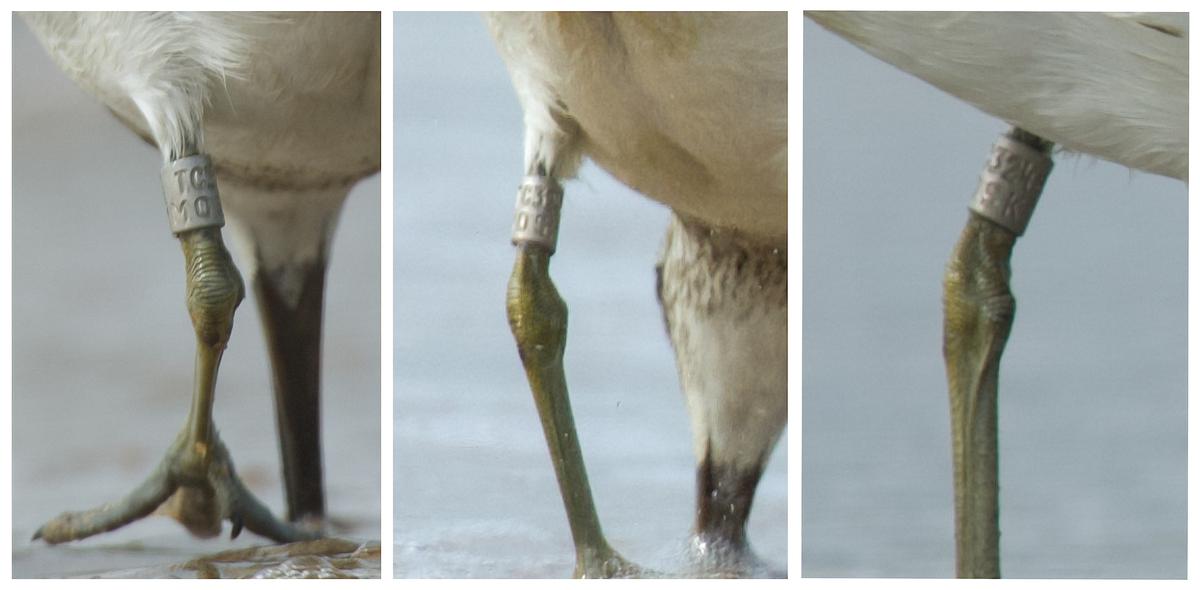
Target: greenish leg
(195,483)
(538,318)
(978,314)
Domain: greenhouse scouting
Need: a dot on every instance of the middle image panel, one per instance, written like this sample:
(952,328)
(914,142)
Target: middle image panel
(475,490)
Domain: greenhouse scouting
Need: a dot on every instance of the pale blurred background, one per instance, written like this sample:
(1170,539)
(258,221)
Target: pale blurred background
(1093,386)
(475,494)
(103,347)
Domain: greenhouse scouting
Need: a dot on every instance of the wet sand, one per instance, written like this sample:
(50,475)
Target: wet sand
(324,559)
(103,348)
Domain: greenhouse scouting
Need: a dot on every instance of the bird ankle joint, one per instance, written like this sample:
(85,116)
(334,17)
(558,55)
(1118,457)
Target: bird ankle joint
(190,191)
(538,208)
(1011,183)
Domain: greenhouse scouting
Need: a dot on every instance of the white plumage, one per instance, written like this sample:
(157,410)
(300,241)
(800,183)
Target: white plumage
(286,103)
(687,108)
(152,64)
(1111,85)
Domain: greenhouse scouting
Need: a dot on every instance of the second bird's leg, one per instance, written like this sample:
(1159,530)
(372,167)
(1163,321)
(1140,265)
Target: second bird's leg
(195,483)
(979,309)
(538,318)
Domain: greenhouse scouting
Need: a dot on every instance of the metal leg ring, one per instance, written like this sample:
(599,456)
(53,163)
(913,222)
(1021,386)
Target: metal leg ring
(1011,183)
(190,191)
(538,210)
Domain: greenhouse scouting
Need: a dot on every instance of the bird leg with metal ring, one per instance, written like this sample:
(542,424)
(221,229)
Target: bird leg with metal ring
(538,318)
(195,483)
(978,314)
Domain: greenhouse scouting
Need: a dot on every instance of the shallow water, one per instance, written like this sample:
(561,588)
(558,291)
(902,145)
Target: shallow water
(475,494)
(103,348)
(1093,383)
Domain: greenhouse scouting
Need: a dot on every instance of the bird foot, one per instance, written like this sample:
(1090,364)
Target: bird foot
(715,557)
(609,565)
(195,484)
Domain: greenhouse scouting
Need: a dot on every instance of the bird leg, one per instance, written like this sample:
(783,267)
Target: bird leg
(978,314)
(293,334)
(724,300)
(289,234)
(538,318)
(195,483)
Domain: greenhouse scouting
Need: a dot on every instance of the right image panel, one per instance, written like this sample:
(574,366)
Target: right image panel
(1081,427)
(678,410)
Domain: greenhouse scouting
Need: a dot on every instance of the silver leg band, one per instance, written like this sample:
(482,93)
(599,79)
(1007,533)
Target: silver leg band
(1011,183)
(538,209)
(190,190)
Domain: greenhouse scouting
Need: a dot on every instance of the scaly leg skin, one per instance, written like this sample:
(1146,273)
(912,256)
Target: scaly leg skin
(978,311)
(538,318)
(196,482)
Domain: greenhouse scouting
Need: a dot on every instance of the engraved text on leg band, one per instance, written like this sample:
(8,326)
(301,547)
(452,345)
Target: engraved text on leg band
(1011,183)
(190,190)
(539,204)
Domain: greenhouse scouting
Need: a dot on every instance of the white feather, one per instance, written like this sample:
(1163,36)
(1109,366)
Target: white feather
(1111,85)
(164,63)
(287,105)
(687,108)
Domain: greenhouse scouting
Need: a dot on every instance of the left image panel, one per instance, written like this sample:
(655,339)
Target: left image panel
(130,456)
